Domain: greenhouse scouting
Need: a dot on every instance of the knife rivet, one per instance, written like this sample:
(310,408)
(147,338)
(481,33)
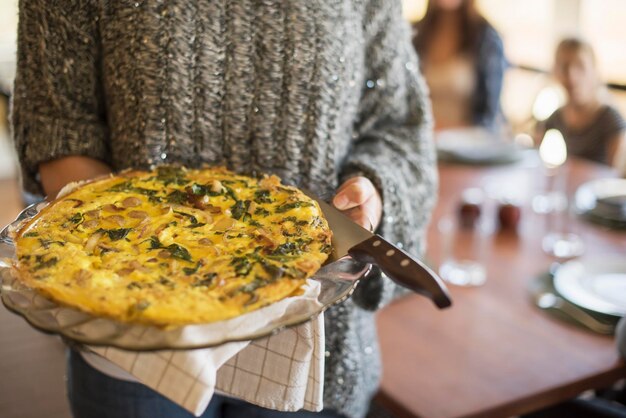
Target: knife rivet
(376,243)
(390,253)
(404,263)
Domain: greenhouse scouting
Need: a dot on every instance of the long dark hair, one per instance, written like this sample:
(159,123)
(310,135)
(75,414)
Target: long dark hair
(473,23)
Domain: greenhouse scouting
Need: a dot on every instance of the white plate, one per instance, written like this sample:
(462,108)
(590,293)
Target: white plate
(588,194)
(598,285)
(475,145)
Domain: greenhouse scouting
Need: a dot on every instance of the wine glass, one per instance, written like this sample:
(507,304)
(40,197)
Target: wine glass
(560,242)
(463,242)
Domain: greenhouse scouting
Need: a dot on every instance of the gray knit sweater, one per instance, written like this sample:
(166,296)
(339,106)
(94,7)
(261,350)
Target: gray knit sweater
(309,90)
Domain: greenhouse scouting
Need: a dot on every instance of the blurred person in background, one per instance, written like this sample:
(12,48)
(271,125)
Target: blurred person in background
(592,128)
(462,58)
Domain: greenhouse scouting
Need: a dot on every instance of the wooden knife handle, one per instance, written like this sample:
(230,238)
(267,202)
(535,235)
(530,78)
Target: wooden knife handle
(402,269)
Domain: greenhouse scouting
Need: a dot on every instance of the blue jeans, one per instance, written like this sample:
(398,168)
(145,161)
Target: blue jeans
(93,394)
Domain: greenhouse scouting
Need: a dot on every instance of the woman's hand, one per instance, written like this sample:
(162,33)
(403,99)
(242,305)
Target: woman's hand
(359,199)
(57,173)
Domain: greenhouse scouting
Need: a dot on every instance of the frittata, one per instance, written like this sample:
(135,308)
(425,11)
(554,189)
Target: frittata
(174,246)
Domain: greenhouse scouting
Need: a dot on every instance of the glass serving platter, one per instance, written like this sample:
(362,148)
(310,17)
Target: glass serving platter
(337,280)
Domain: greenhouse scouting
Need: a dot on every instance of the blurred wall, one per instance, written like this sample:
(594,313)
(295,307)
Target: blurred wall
(8,36)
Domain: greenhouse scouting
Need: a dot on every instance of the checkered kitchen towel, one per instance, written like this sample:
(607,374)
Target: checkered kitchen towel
(283,371)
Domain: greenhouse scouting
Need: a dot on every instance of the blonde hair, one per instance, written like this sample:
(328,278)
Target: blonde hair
(577,45)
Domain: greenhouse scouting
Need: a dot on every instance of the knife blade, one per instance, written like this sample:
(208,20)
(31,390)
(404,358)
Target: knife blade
(351,239)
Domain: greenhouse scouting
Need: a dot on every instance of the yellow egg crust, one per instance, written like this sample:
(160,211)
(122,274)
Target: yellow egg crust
(173,246)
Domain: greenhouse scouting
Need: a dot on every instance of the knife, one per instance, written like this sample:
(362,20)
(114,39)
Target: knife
(351,239)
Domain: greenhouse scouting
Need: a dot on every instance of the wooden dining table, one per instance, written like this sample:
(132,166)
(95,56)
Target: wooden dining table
(494,353)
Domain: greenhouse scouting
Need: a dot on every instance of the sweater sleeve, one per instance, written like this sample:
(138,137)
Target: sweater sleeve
(394,145)
(57,107)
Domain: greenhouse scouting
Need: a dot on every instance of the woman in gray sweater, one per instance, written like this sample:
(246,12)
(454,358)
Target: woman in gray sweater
(326,94)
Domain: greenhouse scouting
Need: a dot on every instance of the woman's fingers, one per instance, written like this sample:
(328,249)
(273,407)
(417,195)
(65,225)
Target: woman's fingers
(360,201)
(354,192)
